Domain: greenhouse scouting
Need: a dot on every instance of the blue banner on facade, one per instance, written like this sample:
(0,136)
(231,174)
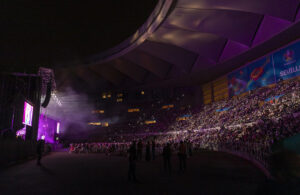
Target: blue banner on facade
(287,62)
(255,75)
(280,65)
(223,109)
(273,98)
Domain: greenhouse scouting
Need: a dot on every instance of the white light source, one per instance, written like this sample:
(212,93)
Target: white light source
(57,127)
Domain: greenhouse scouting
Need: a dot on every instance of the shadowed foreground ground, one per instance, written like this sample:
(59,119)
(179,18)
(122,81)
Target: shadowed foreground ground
(63,173)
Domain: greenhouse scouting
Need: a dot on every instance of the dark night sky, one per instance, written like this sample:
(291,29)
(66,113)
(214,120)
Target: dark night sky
(39,33)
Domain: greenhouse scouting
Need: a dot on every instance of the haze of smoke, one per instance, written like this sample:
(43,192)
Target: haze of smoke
(74,113)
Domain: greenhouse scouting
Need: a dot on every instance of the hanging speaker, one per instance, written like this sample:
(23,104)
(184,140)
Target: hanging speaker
(48,95)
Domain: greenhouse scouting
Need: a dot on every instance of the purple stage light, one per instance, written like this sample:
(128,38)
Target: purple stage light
(27,115)
(47,129)
(21,133)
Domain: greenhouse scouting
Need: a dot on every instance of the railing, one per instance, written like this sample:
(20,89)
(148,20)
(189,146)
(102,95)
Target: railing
(256,153)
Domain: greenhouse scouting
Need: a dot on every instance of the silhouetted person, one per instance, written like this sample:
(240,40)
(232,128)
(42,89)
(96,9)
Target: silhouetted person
(153,150)
(39,151)
(167,153)
(148,155)
(140,150)
(182,156)
(132,162)
(190,148)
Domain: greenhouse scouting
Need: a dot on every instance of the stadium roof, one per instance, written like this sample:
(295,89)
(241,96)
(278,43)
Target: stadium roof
(187,42)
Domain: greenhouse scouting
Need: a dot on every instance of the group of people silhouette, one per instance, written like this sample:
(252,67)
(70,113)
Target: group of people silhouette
(135,154)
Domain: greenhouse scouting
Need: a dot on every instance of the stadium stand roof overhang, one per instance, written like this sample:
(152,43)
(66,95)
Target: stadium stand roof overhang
(200,40)
(189,42)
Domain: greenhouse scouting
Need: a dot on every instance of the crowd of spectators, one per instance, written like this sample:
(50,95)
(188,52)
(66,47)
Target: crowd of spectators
(106,148)
(250,123)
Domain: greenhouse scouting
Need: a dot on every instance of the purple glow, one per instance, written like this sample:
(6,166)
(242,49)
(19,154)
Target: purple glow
(269,27)
(232,49)
(21,133)
(27,115)
(47,129)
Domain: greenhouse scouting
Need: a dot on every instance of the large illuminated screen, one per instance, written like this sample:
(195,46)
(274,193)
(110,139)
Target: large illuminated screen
(27,115)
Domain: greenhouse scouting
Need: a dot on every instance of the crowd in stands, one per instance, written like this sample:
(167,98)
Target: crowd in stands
(251,122)
(107,148)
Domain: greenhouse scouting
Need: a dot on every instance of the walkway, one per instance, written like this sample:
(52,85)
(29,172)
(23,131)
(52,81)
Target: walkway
(63,173)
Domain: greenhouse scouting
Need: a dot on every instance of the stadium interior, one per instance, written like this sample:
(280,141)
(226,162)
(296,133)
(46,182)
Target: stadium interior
(150,97)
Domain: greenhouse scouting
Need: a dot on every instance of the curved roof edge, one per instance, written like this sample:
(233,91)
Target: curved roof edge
(153,22)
